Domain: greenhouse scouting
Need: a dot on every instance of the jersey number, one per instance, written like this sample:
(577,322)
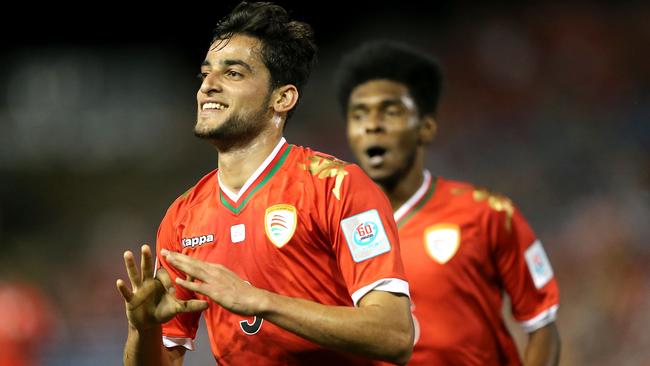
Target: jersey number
(251,328)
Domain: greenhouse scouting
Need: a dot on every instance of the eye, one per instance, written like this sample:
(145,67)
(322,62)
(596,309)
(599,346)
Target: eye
(233,74)
(393,112)
(202,75)
(356,115)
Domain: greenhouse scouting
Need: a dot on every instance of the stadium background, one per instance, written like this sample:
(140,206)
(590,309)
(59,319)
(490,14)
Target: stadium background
(548,103)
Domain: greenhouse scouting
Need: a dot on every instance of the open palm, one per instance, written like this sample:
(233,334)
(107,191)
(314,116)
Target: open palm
(151,301)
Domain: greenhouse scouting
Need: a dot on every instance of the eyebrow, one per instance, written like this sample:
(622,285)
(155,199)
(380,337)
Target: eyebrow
(230,62)
(383,104)
(238,62)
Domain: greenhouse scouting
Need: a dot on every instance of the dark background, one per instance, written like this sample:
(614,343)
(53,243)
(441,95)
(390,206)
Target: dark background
(547,103)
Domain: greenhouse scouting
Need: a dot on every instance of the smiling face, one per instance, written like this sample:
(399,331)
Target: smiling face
(234,98)
(383,129)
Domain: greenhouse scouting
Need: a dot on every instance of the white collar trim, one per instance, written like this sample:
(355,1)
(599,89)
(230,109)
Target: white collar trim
(415,198)
(236,196)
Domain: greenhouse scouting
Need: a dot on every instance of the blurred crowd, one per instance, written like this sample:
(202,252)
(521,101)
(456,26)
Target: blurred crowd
(548,104)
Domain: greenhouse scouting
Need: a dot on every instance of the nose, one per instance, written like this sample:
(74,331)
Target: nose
(373,123)
(210,84)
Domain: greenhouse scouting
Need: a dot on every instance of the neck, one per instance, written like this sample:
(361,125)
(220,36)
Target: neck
(408,184)
(238,163)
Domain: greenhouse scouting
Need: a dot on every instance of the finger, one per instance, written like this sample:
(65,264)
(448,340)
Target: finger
(193,286)
(146,262)
(190,266)
(192,306)
(164,278)
(132,270)
(125,291)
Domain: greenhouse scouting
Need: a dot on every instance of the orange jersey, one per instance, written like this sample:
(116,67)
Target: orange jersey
(463,247)
(305,225)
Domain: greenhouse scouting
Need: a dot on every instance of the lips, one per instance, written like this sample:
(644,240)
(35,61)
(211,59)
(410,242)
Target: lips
(376,155)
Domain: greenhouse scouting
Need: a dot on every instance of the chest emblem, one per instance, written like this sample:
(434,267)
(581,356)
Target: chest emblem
(441,241)
(280,224)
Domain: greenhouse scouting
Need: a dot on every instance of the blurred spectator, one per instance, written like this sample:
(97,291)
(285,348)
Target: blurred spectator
(26,322)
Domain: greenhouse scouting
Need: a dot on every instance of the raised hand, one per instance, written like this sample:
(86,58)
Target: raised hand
(218,283)
(151,301)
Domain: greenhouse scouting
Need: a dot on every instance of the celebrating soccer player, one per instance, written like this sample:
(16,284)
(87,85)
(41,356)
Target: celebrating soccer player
(291,255)
(462,246)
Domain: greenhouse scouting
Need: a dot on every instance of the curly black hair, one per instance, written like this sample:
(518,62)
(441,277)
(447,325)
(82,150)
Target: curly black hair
(419,72)
(288,48)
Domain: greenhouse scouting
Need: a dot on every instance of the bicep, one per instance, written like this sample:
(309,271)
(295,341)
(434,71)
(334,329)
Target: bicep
(390,315)
(543,346)
(175,355)
(388,304)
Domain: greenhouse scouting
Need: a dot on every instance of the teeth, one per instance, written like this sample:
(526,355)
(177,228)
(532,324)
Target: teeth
(218,106)
(376,160)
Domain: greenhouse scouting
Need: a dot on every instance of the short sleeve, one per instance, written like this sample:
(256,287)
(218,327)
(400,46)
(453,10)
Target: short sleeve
(364,236)
(524,268)
(180,330)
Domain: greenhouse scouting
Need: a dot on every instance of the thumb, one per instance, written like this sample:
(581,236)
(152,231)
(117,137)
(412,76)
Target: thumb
(192,306)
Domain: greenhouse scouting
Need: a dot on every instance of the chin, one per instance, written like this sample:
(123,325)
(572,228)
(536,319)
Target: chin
(385,178)
(377,174)
(205,127)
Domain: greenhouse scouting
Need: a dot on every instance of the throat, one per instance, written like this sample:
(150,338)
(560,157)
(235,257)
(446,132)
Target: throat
(239,168)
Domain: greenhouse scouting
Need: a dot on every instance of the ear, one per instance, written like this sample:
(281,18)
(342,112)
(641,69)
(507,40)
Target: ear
(284,98)
(428,129)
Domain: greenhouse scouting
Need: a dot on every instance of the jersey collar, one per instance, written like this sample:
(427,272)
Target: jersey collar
(416,201)
(236,196)
(236,201)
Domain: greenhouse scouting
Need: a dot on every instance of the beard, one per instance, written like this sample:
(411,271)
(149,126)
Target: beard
(237,129)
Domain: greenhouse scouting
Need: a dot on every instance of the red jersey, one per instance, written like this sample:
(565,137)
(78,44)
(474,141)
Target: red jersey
(463,247)
(305,225)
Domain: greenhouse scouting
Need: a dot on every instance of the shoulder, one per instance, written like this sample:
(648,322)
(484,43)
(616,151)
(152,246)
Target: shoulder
(475,196)
(328,172)
(315,161)
(194,196)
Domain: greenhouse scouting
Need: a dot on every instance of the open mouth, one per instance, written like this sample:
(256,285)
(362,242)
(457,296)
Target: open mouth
(375,155)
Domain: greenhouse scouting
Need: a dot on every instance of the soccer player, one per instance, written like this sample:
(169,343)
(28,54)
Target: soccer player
(462,246)
(291,255)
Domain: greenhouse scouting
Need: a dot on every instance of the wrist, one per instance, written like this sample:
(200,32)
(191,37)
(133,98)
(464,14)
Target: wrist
(153,329)
(265,303)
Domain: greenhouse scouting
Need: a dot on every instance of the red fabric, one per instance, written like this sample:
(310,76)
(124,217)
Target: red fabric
(458,303)
(315,264)
(25,323)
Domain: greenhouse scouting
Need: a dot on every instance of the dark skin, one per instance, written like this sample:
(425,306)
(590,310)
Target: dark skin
(388,136)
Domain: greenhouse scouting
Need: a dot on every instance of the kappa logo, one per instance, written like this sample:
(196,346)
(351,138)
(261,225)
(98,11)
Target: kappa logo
(280,224)
(197,241)
(441,241)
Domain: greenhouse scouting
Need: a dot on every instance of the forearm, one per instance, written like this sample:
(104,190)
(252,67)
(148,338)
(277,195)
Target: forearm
(543,348)
(374,331)
(144,348)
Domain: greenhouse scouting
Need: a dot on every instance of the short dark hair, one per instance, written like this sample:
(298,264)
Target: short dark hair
(419,72)
(288,48)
